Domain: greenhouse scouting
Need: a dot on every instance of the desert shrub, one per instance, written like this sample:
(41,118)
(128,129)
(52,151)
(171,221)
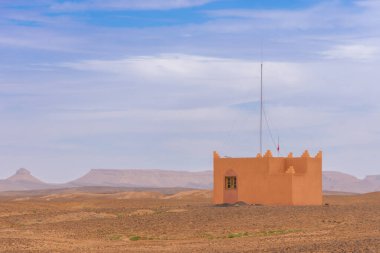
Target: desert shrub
(135,238)
(237,235)
(277,232)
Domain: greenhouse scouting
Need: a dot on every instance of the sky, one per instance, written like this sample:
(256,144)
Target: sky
(161,84)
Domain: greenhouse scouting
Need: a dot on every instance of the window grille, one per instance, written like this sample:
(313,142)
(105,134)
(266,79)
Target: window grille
(230,183)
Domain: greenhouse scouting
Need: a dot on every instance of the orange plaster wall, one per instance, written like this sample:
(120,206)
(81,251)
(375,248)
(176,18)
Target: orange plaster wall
(264,180)
(307,188)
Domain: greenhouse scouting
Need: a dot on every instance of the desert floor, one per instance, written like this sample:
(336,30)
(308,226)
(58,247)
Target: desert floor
(183,222)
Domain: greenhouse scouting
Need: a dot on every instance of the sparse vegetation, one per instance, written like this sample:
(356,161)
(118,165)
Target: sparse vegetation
(115,237)
(277,232)
(238,235)
(135,238)
(263,233)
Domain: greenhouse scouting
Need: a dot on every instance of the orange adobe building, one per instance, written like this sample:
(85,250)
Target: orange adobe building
(268,180)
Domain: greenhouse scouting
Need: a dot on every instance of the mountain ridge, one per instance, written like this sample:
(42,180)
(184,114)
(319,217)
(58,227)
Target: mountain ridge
(22,180)
(145,178)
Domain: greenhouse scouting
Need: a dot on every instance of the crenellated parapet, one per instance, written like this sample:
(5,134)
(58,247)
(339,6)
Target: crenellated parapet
(268,154)
(216,155)
(305,154)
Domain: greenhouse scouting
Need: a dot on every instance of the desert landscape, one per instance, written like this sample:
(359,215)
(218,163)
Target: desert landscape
(101,219)
(189,126)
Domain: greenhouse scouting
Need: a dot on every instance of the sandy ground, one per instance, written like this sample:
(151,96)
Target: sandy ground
(184,222)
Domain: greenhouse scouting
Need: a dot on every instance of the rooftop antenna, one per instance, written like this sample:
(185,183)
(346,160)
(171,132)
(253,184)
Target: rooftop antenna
(261,101)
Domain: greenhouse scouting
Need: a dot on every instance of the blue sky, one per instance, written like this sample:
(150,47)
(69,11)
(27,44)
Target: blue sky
(160,84)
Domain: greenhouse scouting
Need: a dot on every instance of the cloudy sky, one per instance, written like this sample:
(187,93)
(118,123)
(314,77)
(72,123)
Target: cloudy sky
(160,84)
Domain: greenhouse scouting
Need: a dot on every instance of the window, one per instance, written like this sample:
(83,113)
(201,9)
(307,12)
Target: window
(230,183)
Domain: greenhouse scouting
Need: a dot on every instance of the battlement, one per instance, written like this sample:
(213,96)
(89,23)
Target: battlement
(268,154)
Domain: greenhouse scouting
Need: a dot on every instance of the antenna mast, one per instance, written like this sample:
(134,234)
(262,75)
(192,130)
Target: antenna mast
(261,109)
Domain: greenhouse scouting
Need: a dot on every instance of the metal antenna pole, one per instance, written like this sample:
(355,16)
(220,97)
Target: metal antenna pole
(261,110)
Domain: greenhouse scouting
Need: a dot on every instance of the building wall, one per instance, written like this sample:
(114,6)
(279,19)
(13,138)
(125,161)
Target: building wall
(307,188)
(268,180)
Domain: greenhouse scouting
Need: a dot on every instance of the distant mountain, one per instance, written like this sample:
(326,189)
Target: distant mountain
(24,175)
(332,180)
(337,181)
(145,178)
(23,180)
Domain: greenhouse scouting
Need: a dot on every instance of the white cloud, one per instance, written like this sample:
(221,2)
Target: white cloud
(173,94)
(354,52)
(152,105)
(36,38)
(368,3)
(126,5)
(325,15)
(193,70)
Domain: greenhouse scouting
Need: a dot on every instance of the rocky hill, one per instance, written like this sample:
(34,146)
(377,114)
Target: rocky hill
(23,180)
(337,181)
